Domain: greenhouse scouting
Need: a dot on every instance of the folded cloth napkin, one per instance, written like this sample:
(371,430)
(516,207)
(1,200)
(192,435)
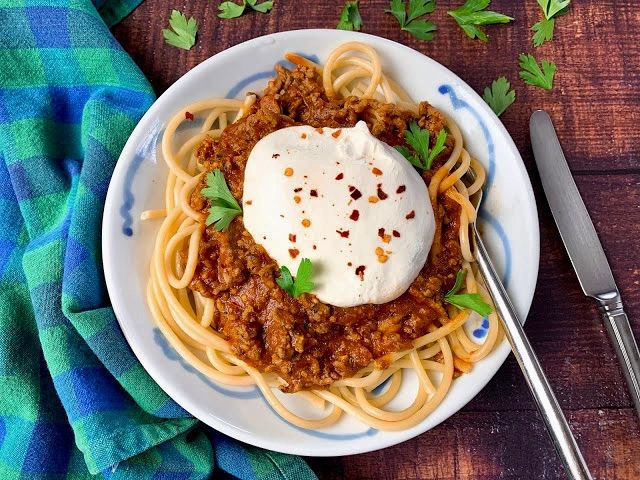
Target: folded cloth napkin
(74,401)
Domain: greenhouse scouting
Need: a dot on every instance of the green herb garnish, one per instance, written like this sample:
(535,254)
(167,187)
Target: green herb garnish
(350,18)
(182,32)
(473,15)
(234,10)
(472,301)
(418,138)
(499,95)
(420,28)
(537,75)
(302,282)
(224,207)
(543,30)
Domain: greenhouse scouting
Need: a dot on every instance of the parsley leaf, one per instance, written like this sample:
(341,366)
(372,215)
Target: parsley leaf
(301,284)
(543,31)
(551,8)
(263,7)
(499,96)
(224,207)
(537,75)
(417,8)
(234,10)
(182,32)
(460,276)
(419,139)
(350,18)
(473,14)
(420,28)
(472,301)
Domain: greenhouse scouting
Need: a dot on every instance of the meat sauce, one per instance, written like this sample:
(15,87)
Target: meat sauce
(306,342)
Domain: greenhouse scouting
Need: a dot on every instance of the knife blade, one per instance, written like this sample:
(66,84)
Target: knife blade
(583,246)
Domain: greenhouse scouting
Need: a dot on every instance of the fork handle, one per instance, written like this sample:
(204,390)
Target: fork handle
(548,406)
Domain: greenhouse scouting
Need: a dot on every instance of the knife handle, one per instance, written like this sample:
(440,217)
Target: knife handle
(624,344)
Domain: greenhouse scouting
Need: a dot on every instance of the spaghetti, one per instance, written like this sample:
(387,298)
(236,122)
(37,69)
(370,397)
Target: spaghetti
(185,315)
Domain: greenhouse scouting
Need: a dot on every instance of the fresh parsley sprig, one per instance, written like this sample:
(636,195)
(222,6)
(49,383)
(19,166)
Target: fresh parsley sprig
(182,32)
(499,95)
(551,9)
(224,207)
(419,139)
(537,75)
(301,283)
(350,18)
(472,301)
(234,10)
(409,21)
(473,14)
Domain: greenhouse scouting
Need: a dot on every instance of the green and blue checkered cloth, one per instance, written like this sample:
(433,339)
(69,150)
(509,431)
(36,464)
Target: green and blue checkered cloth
(74,401)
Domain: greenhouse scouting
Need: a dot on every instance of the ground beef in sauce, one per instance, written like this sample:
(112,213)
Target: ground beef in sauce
(306,342)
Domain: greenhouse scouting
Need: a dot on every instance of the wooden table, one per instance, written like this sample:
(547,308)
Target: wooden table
(595,106)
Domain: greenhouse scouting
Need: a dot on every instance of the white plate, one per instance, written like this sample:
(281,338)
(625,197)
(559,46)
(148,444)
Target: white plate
(510,231)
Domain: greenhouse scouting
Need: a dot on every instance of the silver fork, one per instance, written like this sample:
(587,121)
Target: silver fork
(557,424)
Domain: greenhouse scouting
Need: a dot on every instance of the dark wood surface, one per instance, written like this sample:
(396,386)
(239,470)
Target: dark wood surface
(595,107)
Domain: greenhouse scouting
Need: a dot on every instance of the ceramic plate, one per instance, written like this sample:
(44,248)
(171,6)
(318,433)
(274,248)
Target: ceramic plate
(509,224)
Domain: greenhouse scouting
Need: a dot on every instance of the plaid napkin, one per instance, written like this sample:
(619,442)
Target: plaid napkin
(74,401)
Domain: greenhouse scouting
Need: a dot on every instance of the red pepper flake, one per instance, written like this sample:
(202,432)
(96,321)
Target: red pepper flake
(396,233)
(343,234)
(313,193)
(292,238)
(188,115)
(320,130)
(275,155)
(401,189)
(314,247)
(376,171)
(336,134)
(381,194)
(303,136)
(296,190)
(355,215)
(360,272)
(340,176)
(381,232)
(355,193)
(294,252)
(410,215)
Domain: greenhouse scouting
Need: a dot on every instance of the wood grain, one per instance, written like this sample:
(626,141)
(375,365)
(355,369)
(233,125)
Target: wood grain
(595,106)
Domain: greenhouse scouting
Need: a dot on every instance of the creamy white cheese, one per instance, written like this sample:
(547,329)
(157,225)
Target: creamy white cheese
(345,200)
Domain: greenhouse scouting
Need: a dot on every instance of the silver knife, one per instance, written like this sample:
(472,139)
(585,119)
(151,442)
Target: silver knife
(584,248)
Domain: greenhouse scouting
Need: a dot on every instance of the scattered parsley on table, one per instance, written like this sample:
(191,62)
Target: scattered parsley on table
(350,18)
(539,75)
(224,207)
(499,95)
(234,10)
(472,301)
(182,32)
(301,283)
(420,28)
(419,139)
(551,9)
(473,15)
